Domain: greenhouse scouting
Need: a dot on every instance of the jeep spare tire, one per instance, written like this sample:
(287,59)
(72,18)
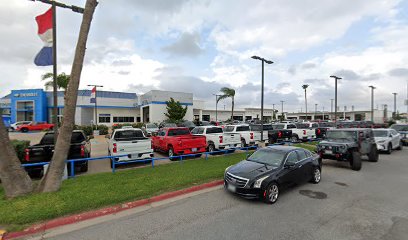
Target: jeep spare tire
(373,155)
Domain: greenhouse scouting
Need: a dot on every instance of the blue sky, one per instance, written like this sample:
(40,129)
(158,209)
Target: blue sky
(201,46)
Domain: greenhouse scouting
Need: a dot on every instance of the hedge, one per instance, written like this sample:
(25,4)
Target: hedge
(88,130)
(135,125)
(19,147)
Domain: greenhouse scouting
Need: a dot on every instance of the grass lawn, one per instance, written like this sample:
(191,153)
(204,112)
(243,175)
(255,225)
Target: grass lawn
(103,189)
(310,147)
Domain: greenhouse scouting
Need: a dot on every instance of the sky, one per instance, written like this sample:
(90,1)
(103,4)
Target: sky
(203,45)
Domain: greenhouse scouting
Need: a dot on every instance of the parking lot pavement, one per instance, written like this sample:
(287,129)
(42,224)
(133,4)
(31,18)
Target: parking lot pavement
(368,204)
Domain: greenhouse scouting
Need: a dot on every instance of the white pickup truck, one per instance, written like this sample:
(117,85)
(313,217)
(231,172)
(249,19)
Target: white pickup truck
(300,132)
(217,139)
(130,142)
(248,137)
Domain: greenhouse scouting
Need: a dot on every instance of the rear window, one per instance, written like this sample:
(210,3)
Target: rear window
(229,128)
(266,127)
(243,128)
(214,130)
(128,135)
(279,126)
(48,139)
(178,132)
(400,128)
(326,124)
(302,125)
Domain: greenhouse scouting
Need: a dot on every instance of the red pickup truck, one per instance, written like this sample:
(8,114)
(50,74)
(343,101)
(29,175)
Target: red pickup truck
(178,141)
(35,126)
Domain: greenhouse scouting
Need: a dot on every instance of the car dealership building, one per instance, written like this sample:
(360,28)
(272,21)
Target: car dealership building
(123,107)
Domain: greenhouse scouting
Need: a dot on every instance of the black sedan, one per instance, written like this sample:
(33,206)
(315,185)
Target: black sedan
(269,169)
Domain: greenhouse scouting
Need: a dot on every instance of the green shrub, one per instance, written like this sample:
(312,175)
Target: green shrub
(88,130)
(120,125)
(19,147)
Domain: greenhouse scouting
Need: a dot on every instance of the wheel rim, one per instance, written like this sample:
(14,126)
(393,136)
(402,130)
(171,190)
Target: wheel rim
(171,152)
(273,193)
(242,143)
(317,175)
(294,139)
(211,148)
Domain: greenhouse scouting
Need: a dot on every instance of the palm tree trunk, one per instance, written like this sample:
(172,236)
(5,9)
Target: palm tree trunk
(232,109)
(53,178)
(14,178)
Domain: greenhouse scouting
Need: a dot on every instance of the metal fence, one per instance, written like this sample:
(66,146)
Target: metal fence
(152,161)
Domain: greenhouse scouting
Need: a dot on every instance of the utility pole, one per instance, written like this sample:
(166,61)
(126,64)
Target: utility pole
(273,108)
(76,9)
(216,106)
(263,60)
(372,102)
(335,96)
(394,114)
(282,110)
(305,86)
(331,107)
(96,105)
(315,111)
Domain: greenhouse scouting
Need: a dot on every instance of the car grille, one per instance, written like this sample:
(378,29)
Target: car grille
(235,180)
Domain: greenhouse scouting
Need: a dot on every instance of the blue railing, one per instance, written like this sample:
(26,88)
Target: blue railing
(152,160)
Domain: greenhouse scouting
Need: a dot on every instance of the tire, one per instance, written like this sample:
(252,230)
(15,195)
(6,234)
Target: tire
(211,148)
(272,193)
(316,175)
(171,154)
(294,138)
(24,130)
(243,143)
(389,148)
(84,167)
(373,155)
(355,161)
(51,128)
(400,146)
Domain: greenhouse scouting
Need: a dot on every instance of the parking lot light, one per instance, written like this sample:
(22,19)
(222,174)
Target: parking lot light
(372,102)
(335,96)
(263,60)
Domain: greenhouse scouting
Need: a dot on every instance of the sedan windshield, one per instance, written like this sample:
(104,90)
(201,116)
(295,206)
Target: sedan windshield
(341,134)
(271,157)
(229,128)
(380,133)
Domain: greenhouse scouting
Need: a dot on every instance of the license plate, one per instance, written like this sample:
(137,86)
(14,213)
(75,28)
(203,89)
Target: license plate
(194,149)
(328,151)
(231,188)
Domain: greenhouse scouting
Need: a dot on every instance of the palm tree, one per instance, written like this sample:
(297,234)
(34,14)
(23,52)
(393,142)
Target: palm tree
(305,87)
(62,80)
(228,93)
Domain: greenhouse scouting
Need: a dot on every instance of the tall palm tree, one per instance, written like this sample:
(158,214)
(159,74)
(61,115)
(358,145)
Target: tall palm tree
(228,93)
(305,87)
(62,80)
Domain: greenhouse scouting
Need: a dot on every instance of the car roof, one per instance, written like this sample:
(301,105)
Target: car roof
(351,129)
(209,126)
(126,129)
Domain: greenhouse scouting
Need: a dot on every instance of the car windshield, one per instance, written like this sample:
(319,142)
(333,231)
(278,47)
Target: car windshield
(380,133)
(341,134)
(229,128)
(188,124)
(128,135)
(214,130)
(151,125)
(400,128)
(178,132)
(266,127)
(170,125)
(279,126)
(268,156)
(48,139)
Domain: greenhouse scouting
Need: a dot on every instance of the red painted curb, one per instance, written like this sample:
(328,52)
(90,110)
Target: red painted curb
(58,222)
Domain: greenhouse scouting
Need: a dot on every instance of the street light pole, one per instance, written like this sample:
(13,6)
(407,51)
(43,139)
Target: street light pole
(335,96)
(282,110)
(216,106)
(305,87)
(315,111)
(263,60)
(273,110)
(394,115)
(372,102)
(331,107)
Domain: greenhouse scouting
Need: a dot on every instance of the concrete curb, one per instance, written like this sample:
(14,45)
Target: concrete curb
(58,222)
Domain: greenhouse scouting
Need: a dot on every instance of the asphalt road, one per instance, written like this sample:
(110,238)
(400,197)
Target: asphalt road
(369,204)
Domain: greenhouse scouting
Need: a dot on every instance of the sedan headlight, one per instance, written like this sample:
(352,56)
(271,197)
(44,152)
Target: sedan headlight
(227,169)
(258,182)
(381,141)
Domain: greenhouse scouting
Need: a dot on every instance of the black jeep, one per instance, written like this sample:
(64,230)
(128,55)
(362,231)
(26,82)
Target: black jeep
(349,145)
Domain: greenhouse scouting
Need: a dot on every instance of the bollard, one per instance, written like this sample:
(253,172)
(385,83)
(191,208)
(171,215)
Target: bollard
(72,170)
(152,162)
(206,156)
(113,165)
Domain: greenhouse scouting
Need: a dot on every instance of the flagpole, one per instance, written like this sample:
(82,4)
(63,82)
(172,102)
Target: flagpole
(54,69)
(96,105)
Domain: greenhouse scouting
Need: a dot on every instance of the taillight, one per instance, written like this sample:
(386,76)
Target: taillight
(251,135)
(115,149)
(27,154)
(304,132)
(221,139)
(279,134)
(82,151)
(318,131)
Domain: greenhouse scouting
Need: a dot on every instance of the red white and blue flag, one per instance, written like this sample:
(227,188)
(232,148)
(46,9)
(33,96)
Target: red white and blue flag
(44,21)
(93,95)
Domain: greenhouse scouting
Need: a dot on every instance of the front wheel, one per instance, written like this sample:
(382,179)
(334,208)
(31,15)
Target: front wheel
(295,138)
(243,143)
(400,146)
(272,193)
(355,161)
(171,154)
(389,148)
(317,175)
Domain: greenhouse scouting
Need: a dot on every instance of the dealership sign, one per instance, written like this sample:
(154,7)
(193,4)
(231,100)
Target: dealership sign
(26,95)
